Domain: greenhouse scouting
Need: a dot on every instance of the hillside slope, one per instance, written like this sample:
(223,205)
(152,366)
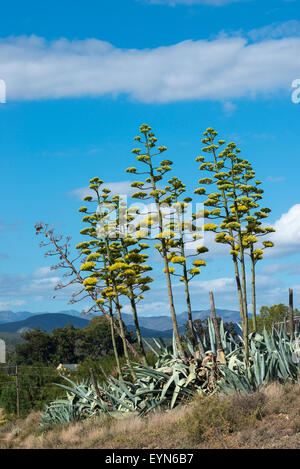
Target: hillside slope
(269,419)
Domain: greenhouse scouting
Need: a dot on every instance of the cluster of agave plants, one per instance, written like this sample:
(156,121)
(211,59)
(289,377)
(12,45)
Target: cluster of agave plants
(173,380)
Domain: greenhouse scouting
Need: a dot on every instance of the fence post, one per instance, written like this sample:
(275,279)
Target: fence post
(291,312)
(18,394)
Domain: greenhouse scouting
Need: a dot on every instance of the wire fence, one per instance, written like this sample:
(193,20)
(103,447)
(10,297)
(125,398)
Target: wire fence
(286,324)
(24,387)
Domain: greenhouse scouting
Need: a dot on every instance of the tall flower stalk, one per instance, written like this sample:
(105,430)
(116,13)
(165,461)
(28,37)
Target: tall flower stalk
(149,190)
(231,206)
(180,250)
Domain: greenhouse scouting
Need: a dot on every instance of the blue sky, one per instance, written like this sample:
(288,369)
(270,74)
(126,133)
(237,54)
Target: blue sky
(80,80)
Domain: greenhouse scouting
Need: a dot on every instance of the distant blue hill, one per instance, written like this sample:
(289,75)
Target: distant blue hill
(151,326)
(10,316)
(46,322)
(164,323)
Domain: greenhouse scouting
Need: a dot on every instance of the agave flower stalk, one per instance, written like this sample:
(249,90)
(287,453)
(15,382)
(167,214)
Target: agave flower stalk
(254,230)
(239,213)
(111,251)
(131,253)
(178,252)
(113,338)
(220,204)
(115,295)
(231,206)
(130,283)
(152,191)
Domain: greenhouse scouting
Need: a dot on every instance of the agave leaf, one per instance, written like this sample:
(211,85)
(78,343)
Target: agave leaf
(176,392)
(212,335)
(151,348)
(166,386)
(192,376)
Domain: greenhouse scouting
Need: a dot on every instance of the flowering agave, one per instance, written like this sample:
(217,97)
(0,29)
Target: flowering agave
(179,253)
(150,190)
(232,206)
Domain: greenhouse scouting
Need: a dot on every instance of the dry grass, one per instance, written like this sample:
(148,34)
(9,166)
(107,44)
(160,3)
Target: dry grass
(266,419)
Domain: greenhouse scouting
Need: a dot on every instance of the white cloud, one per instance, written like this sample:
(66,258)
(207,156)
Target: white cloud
(215,250)
(155,308)
(117,188)
(224,69)
(275,30)
(290,269)
(275,179)
(27,285)
(42,272)
(6,304)
(287,235)
(217,285)
(229,108)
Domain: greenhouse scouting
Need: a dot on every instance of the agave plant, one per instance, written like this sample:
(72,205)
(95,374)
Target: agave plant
(173,379)
(272,356)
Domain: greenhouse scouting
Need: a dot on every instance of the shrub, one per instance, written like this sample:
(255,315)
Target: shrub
(215,415)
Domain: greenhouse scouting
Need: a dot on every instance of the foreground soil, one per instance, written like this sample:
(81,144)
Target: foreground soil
(267,419)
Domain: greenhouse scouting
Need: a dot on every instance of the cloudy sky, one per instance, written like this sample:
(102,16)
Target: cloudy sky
(81,77)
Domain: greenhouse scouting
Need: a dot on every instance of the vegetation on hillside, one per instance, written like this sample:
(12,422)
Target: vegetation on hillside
(266,419)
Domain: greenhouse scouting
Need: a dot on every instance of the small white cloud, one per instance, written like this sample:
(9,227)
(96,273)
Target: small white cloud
(276,179)
(6,304)
(229,108)
(290,269)
(276,30)
(218,285)
(287,235)
(41,272)
(94,150)
(154,308)
(117,188)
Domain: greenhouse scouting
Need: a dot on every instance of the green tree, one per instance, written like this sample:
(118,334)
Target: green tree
(201,327)
(271,314)
(36,388)
(95,340)
(65,339)
(39,347)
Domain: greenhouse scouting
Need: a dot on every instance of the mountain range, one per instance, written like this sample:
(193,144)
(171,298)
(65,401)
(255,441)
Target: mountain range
(151,326)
